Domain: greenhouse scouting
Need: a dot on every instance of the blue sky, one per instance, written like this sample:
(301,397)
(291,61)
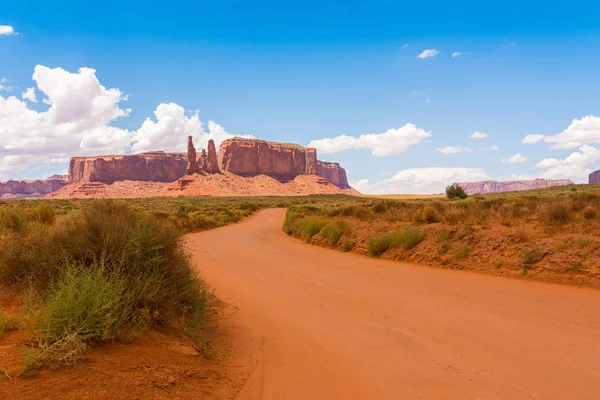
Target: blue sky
(308,71)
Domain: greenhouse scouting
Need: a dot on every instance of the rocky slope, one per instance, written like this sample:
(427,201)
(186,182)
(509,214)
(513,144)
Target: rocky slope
(14,189)
(511,186)
(594,178)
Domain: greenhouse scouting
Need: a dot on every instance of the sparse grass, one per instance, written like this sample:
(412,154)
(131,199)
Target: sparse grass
(347,246)
(408,238)
(335,230)
(6,323)
(575,266)
(462,252)
(532,256)
(498,264)
(308,227)
(590,212)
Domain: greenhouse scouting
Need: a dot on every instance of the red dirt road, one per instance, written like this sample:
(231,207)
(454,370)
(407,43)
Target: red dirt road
(313,323)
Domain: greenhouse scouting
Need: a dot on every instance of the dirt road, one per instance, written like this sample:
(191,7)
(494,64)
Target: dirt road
(319,324)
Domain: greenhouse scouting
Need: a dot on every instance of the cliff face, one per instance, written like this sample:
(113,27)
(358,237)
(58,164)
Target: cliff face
(511,186)
(333,173)
(150,167)
(31,189)
(594,178)
(249,157)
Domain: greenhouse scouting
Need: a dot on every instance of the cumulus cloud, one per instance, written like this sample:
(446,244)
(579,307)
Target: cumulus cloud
(478,135)
(491,148)
(79,122)
(7,30)
(421,180)
(452,149)
(458,54)
(29,94)
(532,139)
(581,131)
(427,53)
(4,86)
(391,142)
(516,159)
(574,167)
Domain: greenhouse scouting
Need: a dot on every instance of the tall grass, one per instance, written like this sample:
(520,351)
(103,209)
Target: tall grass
(408,238)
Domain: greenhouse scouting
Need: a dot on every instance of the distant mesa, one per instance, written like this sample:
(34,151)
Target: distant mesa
(249,167)
(594,178)
(484,187)
(24,189)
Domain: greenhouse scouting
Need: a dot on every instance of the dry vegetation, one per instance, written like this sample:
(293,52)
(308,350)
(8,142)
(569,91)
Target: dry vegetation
(547,234)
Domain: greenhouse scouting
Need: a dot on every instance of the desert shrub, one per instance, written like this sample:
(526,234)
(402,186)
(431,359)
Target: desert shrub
(67,351)
(347,246)
(6,323)
(428,215)
(346,211)
(308,227)
(363,213)
(590,212)
(532,256)
(290,217)
(87,301)
(408,238)
(12,219)
(462,252)
(379,244)
(44,214)
(332,232)
(455,191)
(444,235)
(523,232)
(379,207)
(149,256)
(557,212)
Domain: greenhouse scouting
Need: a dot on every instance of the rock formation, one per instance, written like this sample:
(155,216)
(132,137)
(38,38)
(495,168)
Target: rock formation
(14,189)
(249,157)
(511,186)
(150,167)
(242,166)
(594,178)
(212,166)
(333,173)
(192,162)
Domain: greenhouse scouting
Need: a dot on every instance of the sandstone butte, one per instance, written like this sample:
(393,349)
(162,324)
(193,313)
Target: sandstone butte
(594,178)
(484,187)
(247,167)
(23,189)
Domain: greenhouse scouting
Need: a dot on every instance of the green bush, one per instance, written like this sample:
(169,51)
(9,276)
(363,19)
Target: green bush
(12,219)
(455,191)
(462,252)
(347,246)
(407,239)
(308,227)
(44,214)
(532,256)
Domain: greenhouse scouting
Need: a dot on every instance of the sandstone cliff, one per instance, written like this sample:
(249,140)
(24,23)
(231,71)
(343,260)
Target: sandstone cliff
(333,173)
(248,157)
(13,189)
(149,167)
(511,186)
(594,178)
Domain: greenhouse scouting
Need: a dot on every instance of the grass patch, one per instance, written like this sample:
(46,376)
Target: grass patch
(308,227)
(333,231)
(532,256)
(462,252)
(407,239)
(347,246)
(575,266)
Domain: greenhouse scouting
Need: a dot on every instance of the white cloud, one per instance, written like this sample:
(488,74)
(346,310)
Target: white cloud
(405,45)
(491,148)
(427,53)
(29,94)
(574,167)
(427,100)
(532,139)
(452,149)
(79,122)
(421,180)
(581,131)
(457,54)
(391,142)
(478,135)
(7,30)
(516,159)
(4,87)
